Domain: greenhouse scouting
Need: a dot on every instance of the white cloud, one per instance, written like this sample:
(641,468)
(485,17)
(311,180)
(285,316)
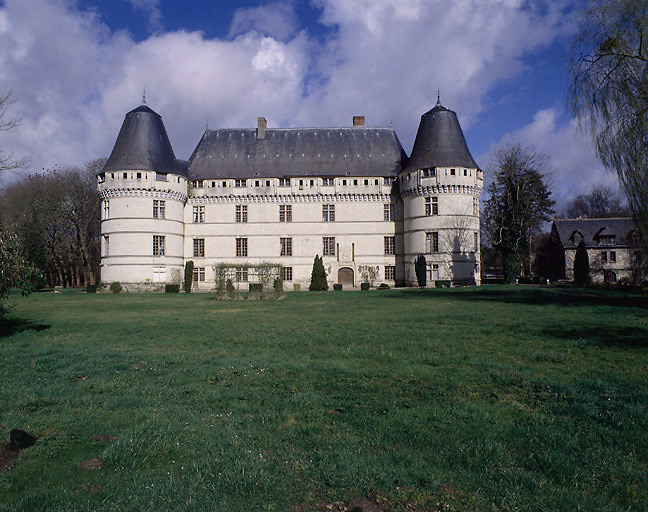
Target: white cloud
(277,20)
(381,58)
(152,9)
(576,169)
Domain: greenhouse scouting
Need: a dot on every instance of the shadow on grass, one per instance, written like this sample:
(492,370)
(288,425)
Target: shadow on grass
(11,326)
(609,336)
(530,295)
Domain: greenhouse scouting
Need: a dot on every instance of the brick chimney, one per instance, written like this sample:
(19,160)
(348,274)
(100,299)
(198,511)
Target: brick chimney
(261,128)
(358,121)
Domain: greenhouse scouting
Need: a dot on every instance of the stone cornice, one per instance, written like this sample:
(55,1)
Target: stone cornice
(109,193)
(442,189)
(294,198)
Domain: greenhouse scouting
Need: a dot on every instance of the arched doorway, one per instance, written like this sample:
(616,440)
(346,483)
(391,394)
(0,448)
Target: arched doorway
(345,276)
(609,277)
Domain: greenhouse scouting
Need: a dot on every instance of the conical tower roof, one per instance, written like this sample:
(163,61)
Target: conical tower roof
(440,142)
(143,145)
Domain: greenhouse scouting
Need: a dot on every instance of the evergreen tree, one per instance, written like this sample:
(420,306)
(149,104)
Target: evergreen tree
(420,267)
(581,265)
(318,276)
(188,277)
(33,245)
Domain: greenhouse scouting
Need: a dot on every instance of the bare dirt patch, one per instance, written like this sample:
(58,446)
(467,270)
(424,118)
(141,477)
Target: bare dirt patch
(7,457)
(92,464)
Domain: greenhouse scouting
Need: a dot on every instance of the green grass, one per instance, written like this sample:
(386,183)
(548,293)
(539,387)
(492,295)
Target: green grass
(499,398)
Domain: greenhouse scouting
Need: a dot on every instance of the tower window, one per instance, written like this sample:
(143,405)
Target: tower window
(158,209)
(432,242)
(158,245)
(431,206)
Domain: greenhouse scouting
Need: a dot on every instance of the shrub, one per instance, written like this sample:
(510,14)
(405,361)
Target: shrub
(442,284)
(337,287)
(171,288)
(296,287)
(581,265)
(256,287)
(364,286)
(420,267)
(91,288)
(383,286)
(278,285)
(188,277)
(116,287)
(318,276)
(229,286)
(369,273)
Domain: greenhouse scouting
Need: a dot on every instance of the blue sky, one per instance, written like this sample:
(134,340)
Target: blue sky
(76,67)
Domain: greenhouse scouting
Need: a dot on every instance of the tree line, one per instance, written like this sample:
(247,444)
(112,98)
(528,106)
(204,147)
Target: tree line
(55,217)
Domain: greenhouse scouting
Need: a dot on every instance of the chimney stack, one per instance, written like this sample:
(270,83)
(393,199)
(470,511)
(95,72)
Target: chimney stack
(358,121)
(261,128)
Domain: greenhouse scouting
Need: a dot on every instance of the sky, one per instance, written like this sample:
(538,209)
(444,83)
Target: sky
(76,67)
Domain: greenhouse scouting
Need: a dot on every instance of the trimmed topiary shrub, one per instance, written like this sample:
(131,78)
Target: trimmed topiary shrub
(337,287)
(318,276)
(442,284)
(171,288)
(296,287)
(383,286)
(91,288)
(581,265)
(188,281)
(420,267)
(364,286)
(116,287)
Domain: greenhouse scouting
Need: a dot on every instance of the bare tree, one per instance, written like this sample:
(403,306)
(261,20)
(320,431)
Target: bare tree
(609,91)
(8,160)
(602,202)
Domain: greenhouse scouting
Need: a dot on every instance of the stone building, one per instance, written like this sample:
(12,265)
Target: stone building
(284,195)
(612,249)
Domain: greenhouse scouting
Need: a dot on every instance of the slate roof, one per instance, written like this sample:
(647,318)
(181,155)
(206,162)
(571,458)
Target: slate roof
(289,152)
(440,142)
(591,229)
(143,145)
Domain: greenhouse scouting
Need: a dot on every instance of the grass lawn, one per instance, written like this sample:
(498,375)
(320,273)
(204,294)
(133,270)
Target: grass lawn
(495,398)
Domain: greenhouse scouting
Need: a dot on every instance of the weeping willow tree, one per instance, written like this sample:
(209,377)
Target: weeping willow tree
(609,93)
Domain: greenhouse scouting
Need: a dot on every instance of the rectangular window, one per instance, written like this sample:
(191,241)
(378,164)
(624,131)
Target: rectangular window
(158,209)
(198,184)
(106,209)
(389,180)
(390,272)
(285,213)
(388,212)
(604,256)
(199,274)
(241,247)
(475,206)
(158,245)
(476,241)
(125,175)
(452,172)
(287,274)
(240,183)
(106,245)
(242,274)
(139,175)
(328,212)
(389,245)
(613,256)
(286,246)
(328,182)
(328,246)
(199,214)
(432,242)
(241,213)
(284,182)
(199,247)
(431,206)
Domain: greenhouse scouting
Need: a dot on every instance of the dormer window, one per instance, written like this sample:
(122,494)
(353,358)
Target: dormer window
(607,239)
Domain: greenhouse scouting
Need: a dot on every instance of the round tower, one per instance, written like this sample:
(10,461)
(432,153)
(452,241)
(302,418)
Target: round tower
(143,190)
(440,185)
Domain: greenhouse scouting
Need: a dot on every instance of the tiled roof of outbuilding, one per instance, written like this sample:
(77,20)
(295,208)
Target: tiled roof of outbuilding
(238,153)
(143,145)
(591,229)
(440,142)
